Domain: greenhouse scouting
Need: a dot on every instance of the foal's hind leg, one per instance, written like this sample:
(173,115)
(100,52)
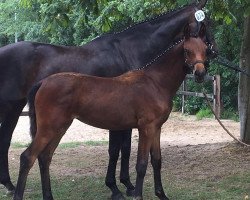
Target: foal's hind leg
(44,160)
(8,125)
(27,160)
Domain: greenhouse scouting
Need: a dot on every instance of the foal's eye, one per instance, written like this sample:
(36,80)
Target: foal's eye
(188,52)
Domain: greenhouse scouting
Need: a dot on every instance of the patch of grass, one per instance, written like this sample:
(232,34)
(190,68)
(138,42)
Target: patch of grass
(204,113)
(229,114)
(236,187)
(72,180)
(69,145)
(96,143)
(17,145)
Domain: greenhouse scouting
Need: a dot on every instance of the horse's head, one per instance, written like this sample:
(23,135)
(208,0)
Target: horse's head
(195,52)
(195,21)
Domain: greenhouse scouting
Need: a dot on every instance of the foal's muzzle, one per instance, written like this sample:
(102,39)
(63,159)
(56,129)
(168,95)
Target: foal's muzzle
(199,71)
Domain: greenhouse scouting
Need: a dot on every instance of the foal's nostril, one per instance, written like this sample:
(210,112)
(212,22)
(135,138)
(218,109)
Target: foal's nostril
(200,73)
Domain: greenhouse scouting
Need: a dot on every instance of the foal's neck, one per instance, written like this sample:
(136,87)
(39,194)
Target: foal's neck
(169,72)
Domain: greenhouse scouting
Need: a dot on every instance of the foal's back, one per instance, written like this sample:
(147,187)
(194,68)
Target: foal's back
(109,103)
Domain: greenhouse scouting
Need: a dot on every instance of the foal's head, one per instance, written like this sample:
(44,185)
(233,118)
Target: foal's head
(195,52)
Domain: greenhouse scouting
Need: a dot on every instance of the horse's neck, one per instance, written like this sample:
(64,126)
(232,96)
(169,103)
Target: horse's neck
(139,45)
(169,72)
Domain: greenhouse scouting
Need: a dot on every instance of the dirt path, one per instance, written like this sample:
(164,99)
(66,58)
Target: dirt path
(178,130)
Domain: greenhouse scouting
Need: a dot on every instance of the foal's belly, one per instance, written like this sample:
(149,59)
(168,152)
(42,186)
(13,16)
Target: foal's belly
(109,121)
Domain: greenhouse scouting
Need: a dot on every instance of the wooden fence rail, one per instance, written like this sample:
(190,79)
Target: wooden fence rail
(215,96)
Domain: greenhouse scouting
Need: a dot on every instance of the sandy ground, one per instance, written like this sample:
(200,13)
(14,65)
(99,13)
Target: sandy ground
(178,130)
(192,150)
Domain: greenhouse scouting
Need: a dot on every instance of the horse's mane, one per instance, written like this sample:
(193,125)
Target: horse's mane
(168,14)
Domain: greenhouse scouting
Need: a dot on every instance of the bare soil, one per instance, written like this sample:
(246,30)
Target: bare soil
(191,149)
(178,130)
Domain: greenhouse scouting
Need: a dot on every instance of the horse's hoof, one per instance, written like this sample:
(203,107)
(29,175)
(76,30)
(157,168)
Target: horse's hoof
(164,198)
(137,198)
(130,192)
(117,196)
(10,192)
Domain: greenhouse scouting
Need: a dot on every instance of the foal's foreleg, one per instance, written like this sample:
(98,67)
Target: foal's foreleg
(145,141)
(155,153)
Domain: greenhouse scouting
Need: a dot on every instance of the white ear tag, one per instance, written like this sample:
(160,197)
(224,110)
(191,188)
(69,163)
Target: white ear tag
(199,15)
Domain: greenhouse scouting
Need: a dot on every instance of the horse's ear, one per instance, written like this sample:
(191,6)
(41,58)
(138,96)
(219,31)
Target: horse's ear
(202,31)
(187,31)
(201,4)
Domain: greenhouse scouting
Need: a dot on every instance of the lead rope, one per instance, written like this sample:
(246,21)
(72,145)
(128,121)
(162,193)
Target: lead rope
(217,118)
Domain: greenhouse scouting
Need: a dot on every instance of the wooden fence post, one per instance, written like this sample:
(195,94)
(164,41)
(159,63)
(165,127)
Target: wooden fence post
(183,99)
(216,101)
(215,96)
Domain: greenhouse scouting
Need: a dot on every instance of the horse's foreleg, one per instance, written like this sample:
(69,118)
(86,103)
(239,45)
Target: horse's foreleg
(115,140)
(125,156)
(8,125)
(155,152)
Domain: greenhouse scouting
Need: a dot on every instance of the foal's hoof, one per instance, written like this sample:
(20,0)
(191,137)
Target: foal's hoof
(130,192)
(117,196)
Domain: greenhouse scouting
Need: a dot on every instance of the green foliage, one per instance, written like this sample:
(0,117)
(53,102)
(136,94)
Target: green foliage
(230,114)
(204,113)
(74,22)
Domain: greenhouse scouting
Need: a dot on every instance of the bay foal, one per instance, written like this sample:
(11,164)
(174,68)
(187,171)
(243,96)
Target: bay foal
(138,99)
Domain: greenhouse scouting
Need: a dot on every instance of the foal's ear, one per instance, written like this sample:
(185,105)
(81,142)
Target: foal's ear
(187,31)
(202,31)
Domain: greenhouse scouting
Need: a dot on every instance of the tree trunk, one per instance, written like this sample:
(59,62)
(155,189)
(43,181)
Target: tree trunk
(244,85)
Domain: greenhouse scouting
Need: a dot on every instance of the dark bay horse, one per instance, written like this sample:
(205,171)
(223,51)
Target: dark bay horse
(137,99)
(24,63)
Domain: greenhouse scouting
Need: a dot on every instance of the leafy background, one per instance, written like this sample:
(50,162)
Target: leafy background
(76,22)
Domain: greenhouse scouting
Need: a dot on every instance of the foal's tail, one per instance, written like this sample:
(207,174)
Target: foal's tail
(32,111)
